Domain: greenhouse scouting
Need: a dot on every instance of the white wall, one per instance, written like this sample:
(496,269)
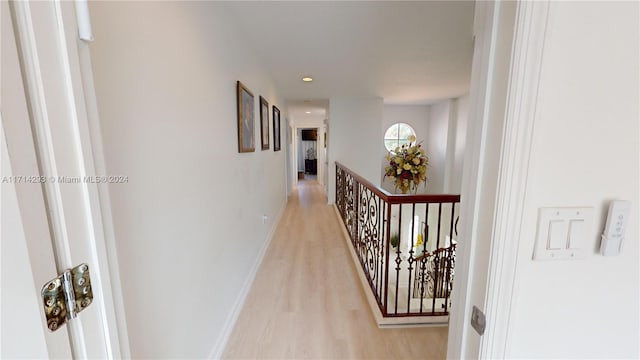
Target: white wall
(585,153)
(322,158)
(442,129)
(436,146)
(189,223)
(289,149)
(300,151)
(456,144)
(454,182)
(416,116)
(355,135)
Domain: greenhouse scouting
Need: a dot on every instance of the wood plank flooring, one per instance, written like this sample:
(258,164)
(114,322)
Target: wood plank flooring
(307,302)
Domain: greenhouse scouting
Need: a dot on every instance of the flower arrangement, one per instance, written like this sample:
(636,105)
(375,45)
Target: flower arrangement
(407,166)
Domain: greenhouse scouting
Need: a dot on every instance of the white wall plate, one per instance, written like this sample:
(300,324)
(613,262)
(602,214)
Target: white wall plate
(562,233)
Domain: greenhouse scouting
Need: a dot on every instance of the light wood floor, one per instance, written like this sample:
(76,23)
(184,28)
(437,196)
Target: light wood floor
(307,302)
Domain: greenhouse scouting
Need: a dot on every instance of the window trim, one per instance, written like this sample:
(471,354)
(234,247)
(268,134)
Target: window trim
(396,139)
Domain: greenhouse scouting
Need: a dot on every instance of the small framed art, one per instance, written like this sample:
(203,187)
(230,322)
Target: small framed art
(276,128)
(264,123)
(246,133)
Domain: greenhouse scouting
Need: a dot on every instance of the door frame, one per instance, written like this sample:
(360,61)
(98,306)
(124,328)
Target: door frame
(495,276)
(320,129)
(56,72)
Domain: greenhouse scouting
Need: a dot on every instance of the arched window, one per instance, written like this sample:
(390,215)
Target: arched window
(397,135)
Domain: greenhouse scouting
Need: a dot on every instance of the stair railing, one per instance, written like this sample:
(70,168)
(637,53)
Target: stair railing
(414,277)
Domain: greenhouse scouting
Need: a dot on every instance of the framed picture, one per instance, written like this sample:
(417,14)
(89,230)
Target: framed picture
(276,128)
(264,123)
(246,132)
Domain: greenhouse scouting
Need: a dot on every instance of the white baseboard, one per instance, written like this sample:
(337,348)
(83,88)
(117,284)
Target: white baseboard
(221,342)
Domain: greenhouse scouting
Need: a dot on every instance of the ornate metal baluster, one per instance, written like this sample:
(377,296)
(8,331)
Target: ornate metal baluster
(436,260)
(398,258)
(381,242)
(386,261)
(366,212)
(423,270)
(411,258)
(448,284)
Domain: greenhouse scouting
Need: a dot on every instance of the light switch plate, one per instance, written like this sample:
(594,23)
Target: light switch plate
(562,233)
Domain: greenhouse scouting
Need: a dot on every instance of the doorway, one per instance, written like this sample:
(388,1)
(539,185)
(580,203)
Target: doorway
(310,151)
(307,162)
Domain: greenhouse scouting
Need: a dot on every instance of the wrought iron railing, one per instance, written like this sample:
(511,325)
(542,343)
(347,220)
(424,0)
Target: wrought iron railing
(405,244)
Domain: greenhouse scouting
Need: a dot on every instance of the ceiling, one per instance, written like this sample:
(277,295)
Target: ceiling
(413,52)
(310,112)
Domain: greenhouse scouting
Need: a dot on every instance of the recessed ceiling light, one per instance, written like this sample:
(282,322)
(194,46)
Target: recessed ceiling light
(307,112)
(307,79)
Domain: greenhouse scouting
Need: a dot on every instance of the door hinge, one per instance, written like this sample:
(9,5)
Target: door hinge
(66,296)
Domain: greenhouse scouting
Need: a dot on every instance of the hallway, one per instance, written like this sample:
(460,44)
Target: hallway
(307,302)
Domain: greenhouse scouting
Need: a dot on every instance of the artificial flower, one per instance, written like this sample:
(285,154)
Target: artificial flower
(407,166)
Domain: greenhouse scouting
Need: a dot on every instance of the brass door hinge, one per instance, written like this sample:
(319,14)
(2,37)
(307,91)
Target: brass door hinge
(66,295)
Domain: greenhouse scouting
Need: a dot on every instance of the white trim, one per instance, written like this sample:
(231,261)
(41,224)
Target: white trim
(100,198)
(22,158)
(39,99)
(238,304)
(98,215)
(309,124)
(84,20)
(322,166)
(485,25)
(26,42)
(47,37)
(522,97)
(287,154)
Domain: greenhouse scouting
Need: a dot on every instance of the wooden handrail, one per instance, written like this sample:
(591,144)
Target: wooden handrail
(436,251)
(400,198)
(366,211)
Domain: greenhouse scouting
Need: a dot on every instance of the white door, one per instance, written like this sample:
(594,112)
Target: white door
(23,331)
(51,215)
